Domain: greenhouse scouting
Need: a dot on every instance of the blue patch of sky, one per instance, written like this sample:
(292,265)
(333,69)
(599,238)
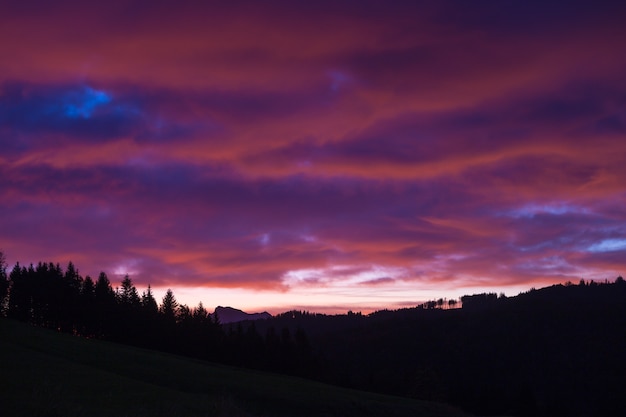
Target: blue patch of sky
(531,210)
(338,79)
(548,265)
(539,246)
(608,245)
(265,239)
(83,103)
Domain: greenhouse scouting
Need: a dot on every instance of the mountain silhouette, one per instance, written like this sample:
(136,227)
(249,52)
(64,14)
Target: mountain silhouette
(232,315)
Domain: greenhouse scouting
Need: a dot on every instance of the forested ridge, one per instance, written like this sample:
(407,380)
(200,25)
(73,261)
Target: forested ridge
(46,295)
(554,351)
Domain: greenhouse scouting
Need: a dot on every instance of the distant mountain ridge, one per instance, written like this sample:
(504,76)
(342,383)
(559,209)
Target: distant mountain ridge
(232,315)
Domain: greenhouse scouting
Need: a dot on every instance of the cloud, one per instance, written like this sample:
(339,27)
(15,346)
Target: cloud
(362,153)
(77,110)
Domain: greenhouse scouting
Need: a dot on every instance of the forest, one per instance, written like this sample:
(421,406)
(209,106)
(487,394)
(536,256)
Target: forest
(46,295)
(553,351)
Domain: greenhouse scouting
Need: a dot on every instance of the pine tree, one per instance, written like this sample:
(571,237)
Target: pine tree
(19,305)
(169,333)
(169,305)
(105,303)
(70,287)
(103,290)
(200,314)
(88,290)
(88,307)
(4,282)
(148,302)
(128,294)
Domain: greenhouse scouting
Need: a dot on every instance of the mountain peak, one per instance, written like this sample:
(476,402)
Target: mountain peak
(233,315)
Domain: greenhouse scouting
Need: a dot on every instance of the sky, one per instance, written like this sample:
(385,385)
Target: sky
(318,155)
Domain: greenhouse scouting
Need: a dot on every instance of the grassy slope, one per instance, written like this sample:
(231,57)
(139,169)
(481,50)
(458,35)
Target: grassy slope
(44,373)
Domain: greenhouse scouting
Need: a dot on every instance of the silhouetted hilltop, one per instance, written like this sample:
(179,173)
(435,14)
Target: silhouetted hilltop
(553,351)
(232,315)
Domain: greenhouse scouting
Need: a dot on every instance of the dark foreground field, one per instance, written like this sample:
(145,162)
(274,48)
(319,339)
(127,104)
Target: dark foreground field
(48,374)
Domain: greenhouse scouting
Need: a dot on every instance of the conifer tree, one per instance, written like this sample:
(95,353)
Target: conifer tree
(103,291)
(148,302)
(87,306)
(4,282)
(88,289)
(169,305)
(105,304)
(200,314)
(128,294)
(69,288)
(19,306)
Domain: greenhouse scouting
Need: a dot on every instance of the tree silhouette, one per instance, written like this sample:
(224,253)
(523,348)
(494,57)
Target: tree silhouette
(4,282)
(19,304)
(201,315)
(70,288)
(148,325)
(87,307)
(128,294)
(183,314)
(128,308)
(169,306)
(484,357)
(105,304)
(41,283)
(148,302)
(88,290)
(103,290)
(169,338)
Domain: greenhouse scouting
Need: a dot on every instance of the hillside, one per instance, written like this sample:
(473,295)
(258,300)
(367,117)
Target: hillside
(548,352)
(46,373)
(227,315)
(555,351)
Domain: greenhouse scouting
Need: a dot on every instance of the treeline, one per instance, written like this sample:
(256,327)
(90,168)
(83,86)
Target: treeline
(46,295)
(555,351)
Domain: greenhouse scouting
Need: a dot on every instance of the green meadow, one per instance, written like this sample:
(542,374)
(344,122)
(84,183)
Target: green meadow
(48,374)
